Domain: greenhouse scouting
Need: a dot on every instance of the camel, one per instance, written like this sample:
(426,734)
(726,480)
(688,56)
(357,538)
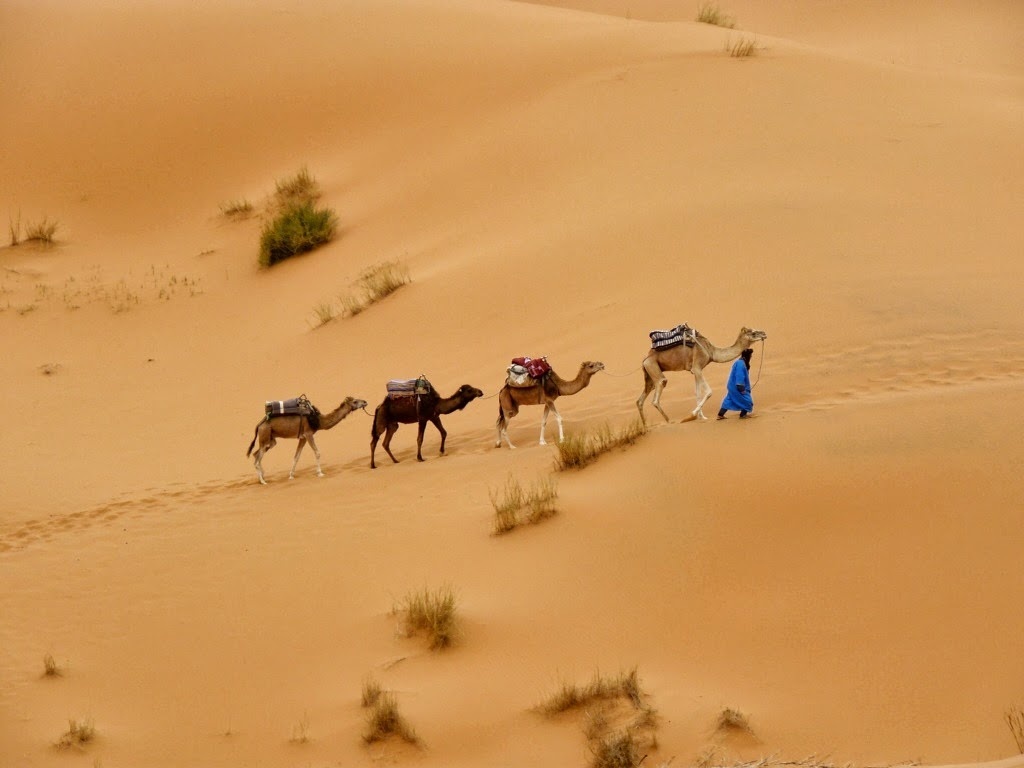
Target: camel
(418,409)
(545,393)
(297,426)
(693,359)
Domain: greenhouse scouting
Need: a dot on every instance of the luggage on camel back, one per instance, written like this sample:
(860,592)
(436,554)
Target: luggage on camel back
(681,334)
(527,371)
(409,387)
(295,406)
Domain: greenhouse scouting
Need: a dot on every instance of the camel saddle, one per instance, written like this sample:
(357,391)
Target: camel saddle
(681,334)
(408,387)
(527,371)
(295,406)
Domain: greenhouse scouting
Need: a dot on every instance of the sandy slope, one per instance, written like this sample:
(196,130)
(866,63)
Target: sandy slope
(560,180)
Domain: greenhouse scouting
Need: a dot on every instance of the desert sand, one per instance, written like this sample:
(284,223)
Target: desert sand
(559,179)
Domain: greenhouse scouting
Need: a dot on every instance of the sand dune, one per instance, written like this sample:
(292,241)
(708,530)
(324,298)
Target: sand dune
(559,179)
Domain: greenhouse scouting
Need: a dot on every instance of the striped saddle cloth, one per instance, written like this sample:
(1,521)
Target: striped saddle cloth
(296,405)
(681,334)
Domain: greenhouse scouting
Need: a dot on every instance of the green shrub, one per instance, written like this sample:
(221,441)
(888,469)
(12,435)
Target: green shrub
(297,229)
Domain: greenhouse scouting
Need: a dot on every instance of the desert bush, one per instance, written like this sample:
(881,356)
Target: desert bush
(297,229)
(324,313)
(742,47)
(577,451)
(79,733)
(50,668)
(709,13)
(1014,718)
(237,209)
(385,720)
(374,284)
(518,505)
(432,612)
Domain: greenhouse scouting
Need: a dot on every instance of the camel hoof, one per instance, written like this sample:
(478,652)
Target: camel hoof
(320,474)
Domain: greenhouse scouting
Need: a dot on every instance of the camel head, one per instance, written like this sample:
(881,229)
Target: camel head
(467,393)
(354,403)
(751,335)
(591,368)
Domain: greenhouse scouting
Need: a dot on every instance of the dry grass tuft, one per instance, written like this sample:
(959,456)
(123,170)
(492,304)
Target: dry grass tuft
(300,731)
(373,285)
(50,668)
(385,720)
(709,13)
(732,720)
(371,692)
(79,733)
(432,612)
(14,227)
(518,506)
(577,451)
(237,209)
(299,189)
(742,47)
(41,232)
(570,696)
(1014,718)
(617,750)
(324,313)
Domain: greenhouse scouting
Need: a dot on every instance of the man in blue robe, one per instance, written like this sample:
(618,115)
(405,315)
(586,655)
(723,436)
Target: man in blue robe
(737,394)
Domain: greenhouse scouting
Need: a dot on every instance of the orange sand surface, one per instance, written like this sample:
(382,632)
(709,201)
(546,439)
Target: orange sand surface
(559,179)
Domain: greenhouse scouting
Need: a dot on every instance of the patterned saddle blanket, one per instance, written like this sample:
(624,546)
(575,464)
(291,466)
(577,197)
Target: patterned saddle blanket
(527,371)
(296,405)
(408,387)
(681,334)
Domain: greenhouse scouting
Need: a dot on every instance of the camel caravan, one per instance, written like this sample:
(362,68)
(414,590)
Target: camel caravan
(528,381)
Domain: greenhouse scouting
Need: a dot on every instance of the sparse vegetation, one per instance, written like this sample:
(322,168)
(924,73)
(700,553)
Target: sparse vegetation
(324,313)
(79,733)
(50,668)
(616,750)
(742,47)
(517,505)
(300,731)
(371,692)
(385,720)
(296,230)
(1014,718)
(237,209)
(570,696)
(733,720)
(374,284)
(41,232)
(14,226)
(710,13)
(577,451)
(296,190)
(432,612)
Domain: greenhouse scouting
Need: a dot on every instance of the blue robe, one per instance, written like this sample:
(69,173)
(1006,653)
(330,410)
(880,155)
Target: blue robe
(734,400)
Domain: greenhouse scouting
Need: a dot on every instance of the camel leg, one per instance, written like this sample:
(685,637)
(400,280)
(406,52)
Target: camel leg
(436,421)
(259,464)
(502,425)
(558,418)
(648,386)
(422,427)
(657,382)
(392,428)
(374,437)
(298,452)
(703,393)
(316,452)
(544,423)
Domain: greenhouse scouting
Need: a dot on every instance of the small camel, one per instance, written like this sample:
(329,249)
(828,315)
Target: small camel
(297,426)
(693,359)
(418,409)
(545,393)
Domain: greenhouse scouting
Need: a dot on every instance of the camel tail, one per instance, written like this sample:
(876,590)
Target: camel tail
(253,443)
